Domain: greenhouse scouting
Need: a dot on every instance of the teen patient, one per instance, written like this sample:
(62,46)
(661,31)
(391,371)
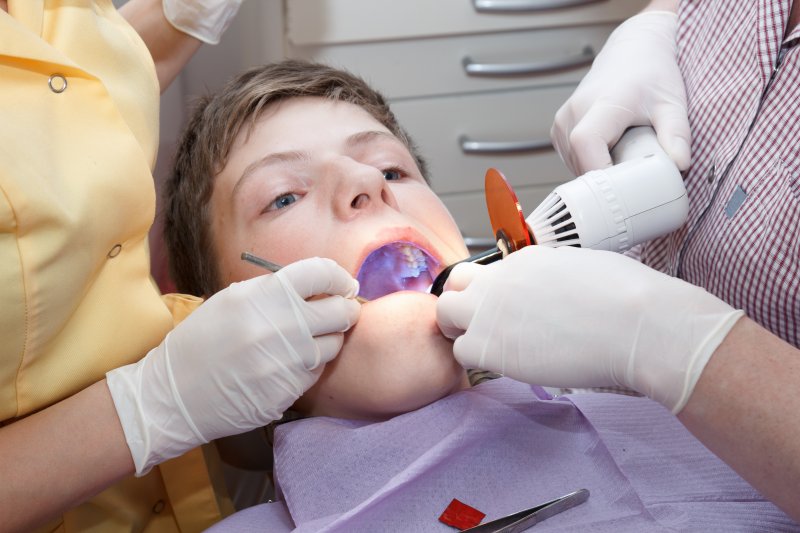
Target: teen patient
(296,160)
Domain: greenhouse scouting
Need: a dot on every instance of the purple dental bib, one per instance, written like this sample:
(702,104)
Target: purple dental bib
(500,447)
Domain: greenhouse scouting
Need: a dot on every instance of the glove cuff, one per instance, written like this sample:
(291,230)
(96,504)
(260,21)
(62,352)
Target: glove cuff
(155,428)
(205,20)
(667,370)
(122,382)
(700,359)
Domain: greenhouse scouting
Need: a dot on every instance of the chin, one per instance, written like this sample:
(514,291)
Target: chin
(394,360)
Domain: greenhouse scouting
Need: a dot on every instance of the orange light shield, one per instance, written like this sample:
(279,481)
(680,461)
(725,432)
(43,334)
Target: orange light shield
(505,213)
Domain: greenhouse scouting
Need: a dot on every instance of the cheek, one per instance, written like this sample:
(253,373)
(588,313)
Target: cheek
(228,248)
(306,229)
(282,240)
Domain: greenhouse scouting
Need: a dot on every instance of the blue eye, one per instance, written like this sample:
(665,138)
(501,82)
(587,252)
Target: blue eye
(283,201)
(391,174)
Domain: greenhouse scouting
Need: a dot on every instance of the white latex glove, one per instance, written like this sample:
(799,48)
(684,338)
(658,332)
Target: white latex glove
(634,81)
(570,317)
(205,20)
(236,363)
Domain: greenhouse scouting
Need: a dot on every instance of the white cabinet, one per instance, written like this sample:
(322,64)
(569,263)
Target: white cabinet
(327,22)
(475,82)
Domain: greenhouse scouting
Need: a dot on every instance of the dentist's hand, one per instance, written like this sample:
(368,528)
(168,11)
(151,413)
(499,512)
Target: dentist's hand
(236,363)
(634,81)
(569,317)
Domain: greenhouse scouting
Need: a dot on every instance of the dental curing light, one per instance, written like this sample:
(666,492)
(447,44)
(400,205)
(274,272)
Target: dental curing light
(639,198)
(508,223)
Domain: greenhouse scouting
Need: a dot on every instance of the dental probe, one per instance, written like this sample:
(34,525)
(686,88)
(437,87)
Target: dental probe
(274,267)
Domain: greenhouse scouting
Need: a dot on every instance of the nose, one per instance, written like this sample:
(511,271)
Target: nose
(359,188)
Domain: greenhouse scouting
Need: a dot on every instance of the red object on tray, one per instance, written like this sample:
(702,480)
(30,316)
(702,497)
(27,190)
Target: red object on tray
(461,515)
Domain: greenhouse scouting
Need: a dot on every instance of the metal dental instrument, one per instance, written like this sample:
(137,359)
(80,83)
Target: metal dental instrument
(250,258)
(522,520)
(274,267)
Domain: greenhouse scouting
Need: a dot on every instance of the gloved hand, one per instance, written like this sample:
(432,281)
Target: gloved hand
(634,81)
(236,363)
(205,20)
(570,317)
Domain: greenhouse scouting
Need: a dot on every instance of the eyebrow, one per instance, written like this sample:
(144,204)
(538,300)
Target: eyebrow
(357,139)
(267,160)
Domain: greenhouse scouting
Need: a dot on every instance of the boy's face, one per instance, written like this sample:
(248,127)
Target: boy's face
(321,178)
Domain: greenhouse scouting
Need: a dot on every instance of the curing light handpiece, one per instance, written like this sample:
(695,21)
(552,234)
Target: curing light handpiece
(639,198)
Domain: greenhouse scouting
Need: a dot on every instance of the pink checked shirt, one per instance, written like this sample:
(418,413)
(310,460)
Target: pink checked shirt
(742,238)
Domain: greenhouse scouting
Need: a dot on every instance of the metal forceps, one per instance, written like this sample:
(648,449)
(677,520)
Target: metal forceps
(514,523)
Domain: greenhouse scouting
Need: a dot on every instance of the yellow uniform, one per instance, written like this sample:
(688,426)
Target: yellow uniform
(78,137)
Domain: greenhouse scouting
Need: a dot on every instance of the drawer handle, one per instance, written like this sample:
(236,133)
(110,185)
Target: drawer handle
(585,57)
(505,6)
(469,146)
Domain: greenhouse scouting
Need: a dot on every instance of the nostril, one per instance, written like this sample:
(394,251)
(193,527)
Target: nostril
(359,201)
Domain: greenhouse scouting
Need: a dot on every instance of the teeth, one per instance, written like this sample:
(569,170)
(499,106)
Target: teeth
(415,260)
(393,267)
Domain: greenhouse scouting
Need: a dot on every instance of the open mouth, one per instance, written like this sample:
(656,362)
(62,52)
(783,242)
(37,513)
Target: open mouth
(394,267)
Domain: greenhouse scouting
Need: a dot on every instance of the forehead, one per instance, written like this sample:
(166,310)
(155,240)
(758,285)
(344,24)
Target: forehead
(307,121)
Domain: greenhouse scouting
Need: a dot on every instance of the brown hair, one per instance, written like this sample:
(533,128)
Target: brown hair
(205,145)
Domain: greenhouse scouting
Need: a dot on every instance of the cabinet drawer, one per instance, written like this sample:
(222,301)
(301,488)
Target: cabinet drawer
(339,21)
(439,125)
(469,209)
(435,66)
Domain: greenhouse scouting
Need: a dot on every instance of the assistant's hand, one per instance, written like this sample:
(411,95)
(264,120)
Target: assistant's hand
(569,317)
(236,363)
(634,81)
(205,20)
